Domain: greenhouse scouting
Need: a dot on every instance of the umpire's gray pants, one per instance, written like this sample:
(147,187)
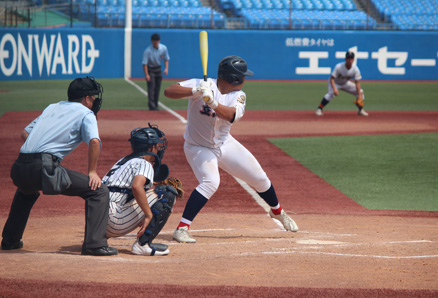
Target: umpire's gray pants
(26,173)
(154,86)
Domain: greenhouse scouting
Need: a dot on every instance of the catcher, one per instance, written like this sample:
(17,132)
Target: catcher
(340,79)
(134,202)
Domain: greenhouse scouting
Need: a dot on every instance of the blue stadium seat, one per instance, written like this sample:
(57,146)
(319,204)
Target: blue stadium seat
(317,4)
(308,4)
(195,3)
(267,4)
(409,14)
(277,4)
(296,4)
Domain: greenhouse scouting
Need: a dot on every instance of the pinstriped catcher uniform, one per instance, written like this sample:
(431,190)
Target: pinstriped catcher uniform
(133,200)
(125,214)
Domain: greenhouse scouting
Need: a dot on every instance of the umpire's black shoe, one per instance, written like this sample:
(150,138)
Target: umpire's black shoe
(100,251)
(11,245)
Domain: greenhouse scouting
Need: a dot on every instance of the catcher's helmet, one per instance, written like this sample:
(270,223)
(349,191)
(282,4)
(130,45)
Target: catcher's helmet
(232,69)
(144,138)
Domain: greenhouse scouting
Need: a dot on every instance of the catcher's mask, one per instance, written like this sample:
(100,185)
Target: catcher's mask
(88,86)
(232,69)
(143,139)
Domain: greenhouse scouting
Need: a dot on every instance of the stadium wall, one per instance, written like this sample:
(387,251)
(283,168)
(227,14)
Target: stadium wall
(36,54)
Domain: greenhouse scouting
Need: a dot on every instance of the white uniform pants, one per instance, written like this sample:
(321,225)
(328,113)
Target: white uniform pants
(233,158)
(349,87)
(123,219)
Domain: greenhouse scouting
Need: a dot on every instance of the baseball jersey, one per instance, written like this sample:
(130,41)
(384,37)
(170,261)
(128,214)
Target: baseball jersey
(204,128)
(60,129)
(124,175)
(342,75)
(152,57)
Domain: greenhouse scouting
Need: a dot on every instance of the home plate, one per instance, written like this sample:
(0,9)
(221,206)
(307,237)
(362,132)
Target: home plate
(313,241)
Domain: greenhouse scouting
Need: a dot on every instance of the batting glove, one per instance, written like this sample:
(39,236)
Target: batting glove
(208,96)
(204,85)
(196,90)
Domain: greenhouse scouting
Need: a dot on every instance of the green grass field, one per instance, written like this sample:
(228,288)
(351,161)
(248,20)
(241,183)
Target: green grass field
(380,172)
(262,95)
(395,172)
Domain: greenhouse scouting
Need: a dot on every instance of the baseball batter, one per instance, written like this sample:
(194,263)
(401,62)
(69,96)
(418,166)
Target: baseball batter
(134,202)
(214,105)
(340,79)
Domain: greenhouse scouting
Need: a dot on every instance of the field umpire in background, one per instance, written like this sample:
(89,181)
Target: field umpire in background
(152,57)
(48,139)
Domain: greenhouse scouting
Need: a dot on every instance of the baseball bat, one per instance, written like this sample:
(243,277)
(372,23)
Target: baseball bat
(203,44)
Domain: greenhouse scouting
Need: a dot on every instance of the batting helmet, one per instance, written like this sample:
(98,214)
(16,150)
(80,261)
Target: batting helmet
(88,86)
(232,69)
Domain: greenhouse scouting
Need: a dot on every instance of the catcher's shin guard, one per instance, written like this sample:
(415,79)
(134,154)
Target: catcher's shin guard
(161,211)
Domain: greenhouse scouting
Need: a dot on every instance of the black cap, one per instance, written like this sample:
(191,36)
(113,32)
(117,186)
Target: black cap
(155,36)
(349,55)
(82,87)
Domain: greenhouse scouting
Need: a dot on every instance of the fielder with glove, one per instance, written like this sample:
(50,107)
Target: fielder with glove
(340,79)
(134,201)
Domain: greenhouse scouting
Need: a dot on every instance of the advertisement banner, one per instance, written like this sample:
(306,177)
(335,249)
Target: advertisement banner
(42,54)
(33,54)
(302,55)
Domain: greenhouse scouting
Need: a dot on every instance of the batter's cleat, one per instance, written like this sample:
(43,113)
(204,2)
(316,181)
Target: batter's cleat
(319,112)
(182,235)
(146,250)
(100,251)
(11,245)
(287,222)
(362,113)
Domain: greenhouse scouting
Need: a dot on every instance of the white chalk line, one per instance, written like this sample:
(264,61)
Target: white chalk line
(349,255)
(311,244)
(163,259)
(181,118)
(132,235)
(254,194)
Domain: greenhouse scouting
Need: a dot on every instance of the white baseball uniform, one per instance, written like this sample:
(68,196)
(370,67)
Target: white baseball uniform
(343,77)
(209,145)
(126,215)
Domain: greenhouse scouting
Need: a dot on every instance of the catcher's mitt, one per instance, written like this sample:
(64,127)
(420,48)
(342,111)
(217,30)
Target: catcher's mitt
(359,102)
(175,183)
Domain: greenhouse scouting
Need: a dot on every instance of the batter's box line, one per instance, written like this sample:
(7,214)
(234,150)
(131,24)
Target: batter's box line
(343,244)
(327,234)
(169,232)
(350,255)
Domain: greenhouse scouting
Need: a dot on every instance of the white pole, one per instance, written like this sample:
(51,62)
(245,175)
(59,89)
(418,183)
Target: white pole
(128,38)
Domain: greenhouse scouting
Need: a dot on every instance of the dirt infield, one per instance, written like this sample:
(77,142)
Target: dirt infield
(342,249)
